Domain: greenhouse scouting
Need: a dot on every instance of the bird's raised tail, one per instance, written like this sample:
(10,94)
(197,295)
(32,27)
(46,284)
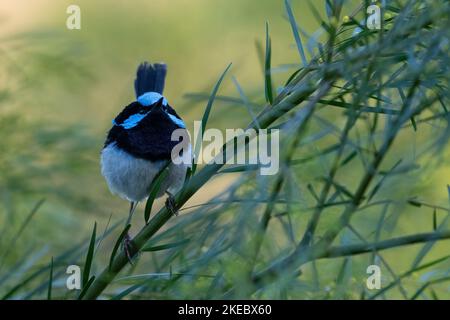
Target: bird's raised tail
(150,78)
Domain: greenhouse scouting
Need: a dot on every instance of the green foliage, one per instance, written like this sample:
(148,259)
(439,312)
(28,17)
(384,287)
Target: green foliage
(205,117)
(364,127)
(89,258)
(154,189)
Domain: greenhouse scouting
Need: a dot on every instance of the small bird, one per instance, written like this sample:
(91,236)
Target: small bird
(139,144)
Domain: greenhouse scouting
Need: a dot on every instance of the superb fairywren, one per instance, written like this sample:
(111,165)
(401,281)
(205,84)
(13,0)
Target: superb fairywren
(139,144)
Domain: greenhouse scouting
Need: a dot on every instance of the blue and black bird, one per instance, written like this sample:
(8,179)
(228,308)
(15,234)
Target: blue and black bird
(139,144)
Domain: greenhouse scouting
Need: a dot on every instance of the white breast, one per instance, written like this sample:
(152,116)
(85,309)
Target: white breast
(131,177)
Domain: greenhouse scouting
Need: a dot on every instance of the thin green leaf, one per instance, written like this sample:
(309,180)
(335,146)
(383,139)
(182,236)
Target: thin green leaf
(328,8)
(313,192)
(298,40)
(434,219)
(382,180)
(359,108)
(50,282)
(441,101)
(408,273)
(24,263)
(22,228)
(166,246)
(415,203)
(154,189)
(349,158)
(413,122)
(117,244)
(343,271)
(206,117)
(343,276)
(225,99)
(86,287)
(73,253)
(426,285)
(129,290)
(240,168)
(37,273)
(260,53)
(289,80)
(267,68)
(340,188)
(246,102)
(429,245)
(90,254)
(434,295)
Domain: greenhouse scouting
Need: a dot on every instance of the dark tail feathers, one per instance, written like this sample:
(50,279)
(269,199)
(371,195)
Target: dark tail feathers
(150,78)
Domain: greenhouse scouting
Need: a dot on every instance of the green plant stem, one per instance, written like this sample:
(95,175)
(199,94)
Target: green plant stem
(301,255)
(305,115)
(267,117)
(383,261)
(299,90)
(355,249)
(351,120)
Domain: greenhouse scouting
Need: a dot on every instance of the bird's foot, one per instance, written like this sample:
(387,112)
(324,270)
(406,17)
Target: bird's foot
(171,204)
(127,245)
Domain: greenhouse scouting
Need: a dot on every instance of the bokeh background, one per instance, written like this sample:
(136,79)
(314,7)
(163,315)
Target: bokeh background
(60,88)
(63,87)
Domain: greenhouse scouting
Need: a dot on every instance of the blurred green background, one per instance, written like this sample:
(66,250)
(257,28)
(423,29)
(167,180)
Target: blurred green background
(63,87)
(60,88)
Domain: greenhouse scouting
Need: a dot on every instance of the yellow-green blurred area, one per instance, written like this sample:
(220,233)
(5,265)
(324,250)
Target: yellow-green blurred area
(64,87)
(76,81)
(60,89)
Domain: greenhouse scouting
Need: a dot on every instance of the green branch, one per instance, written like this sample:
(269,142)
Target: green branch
(267,117)
(354,249)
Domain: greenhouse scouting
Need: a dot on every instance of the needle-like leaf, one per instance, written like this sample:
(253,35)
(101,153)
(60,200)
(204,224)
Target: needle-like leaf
(267,68)
(50,282)
(205,118)
(166,246)
(117,244)
(294,27)
(154,190)
(90,255)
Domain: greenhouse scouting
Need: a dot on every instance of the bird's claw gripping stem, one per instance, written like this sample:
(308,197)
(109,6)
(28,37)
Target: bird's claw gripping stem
(128,247)
(171,204)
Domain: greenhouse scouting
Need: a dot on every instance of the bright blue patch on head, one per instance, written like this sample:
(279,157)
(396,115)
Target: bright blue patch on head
(177,121)
(149,98)
(133,120)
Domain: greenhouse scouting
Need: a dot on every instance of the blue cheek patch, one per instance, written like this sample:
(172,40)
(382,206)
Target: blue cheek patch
(133,120)
(149,98)
(177,121)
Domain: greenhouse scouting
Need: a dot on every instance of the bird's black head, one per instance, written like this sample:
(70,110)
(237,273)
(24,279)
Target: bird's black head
(145,130)
(146,108)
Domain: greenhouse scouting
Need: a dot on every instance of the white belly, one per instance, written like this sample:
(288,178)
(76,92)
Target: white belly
(130,177)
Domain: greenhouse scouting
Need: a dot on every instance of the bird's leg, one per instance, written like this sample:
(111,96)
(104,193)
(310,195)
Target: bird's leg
(170,204)
(133,206)
(127,244)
